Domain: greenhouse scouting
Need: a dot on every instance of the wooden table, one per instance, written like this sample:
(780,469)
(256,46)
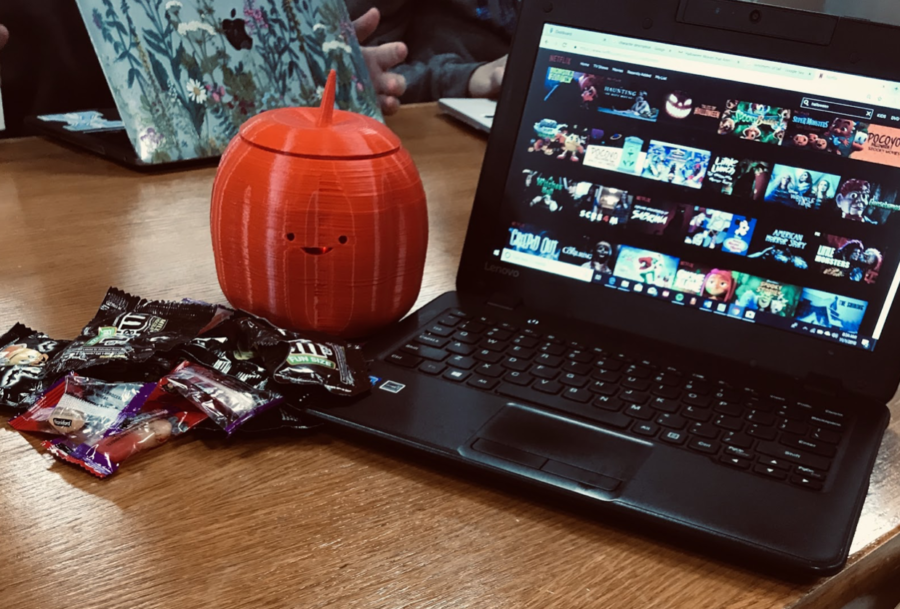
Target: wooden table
(306,521)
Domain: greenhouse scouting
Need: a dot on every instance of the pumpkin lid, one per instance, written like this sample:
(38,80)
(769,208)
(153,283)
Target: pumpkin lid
(323,132)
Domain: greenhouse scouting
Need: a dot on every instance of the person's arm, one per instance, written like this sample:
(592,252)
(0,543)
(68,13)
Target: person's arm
(380,60)
(4,36)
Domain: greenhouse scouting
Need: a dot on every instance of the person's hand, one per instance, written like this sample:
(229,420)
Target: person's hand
(4,36)
(487,79)
(380,60)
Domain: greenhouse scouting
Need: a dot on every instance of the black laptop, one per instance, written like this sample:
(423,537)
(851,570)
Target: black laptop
(676,293)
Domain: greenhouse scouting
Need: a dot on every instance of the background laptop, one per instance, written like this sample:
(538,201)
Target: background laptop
(477,113)
(185,74)
(677,297)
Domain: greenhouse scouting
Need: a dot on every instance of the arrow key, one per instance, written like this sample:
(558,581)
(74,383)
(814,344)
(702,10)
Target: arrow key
(772,472)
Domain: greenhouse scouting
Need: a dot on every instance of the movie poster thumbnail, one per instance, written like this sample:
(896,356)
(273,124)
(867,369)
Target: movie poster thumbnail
(610,94)
(879,145)
(683,108)
(754,122)
(743,178)
(764,296)
(676,164)
(718,286)
(862,201)
(614,151)
(547,194)
(528,239)
(782,247)
(848,259)
(662,219)
(801,188)
(599,255)
(646,266)
(603,204)
(831,311)
(719,230)
(821,132)
(690,278)
(559,140)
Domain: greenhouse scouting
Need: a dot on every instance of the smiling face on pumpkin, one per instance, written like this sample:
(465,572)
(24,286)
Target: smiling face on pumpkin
(319,249)
(679,104)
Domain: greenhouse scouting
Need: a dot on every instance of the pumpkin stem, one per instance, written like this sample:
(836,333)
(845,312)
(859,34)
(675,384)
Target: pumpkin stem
(327,114)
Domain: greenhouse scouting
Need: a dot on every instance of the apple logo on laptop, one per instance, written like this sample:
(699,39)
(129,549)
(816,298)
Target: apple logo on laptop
(236,32)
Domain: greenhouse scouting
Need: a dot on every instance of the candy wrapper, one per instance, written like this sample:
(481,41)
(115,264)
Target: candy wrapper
(163,416)
(292,358)
(81,408)
(228,401)
(130,330)
(23,357)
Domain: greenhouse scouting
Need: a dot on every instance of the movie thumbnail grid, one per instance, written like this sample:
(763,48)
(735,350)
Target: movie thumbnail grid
(815,125)
(719,290)
(839,256)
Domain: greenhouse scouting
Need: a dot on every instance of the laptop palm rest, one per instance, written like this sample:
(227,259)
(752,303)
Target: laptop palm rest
(553,449)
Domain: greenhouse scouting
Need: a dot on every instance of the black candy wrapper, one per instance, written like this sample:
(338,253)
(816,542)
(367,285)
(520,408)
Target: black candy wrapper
(24,354)
(130,330)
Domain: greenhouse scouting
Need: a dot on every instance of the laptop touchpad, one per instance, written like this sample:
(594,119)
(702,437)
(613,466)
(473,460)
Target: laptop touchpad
(555,449)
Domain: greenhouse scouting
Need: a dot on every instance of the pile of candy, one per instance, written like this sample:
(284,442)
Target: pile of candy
(145,371)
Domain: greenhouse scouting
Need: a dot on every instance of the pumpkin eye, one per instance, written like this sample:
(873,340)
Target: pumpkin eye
(290,236)
(342,239)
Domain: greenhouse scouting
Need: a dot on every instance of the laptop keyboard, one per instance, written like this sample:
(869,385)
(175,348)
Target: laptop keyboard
(766,435)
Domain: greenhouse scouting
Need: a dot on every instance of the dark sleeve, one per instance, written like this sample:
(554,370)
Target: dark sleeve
(441,76)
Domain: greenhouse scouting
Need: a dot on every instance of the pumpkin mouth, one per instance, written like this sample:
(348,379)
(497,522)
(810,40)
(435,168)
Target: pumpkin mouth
(317,251)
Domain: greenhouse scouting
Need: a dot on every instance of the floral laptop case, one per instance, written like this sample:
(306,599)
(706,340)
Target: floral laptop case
(187,73)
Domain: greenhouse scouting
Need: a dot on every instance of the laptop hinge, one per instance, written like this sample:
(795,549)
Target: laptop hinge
(822,384)
(504,301)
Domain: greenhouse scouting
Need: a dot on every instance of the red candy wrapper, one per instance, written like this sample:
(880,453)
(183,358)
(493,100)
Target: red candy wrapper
(163,416)
(228,401)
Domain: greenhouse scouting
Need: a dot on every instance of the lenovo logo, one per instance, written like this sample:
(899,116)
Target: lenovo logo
(500,270)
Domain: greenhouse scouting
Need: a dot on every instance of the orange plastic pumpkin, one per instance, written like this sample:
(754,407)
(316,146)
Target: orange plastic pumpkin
(319,221)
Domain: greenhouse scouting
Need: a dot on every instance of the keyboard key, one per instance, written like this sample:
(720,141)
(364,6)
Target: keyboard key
(439,330)
(761,418)
(736,451)
(432,341)
(582,396)
(616,420)
(695,399)
(732,410)
(449,321)
(823,435)
(762,433)
(730,423)
(432,367)
(728,395)
(632,382)
(460,348)
(607,403)
(526,342)
(553,361)
(518,378)
(532,333)
(490,357)
(805,482)
(457,375)
(491,370)
(695,413)
(704,430)
(459,313)
(760,405)
(404,359)
(634,397)
(668,379)
(514,363)
(577,368)
(704,446)
(551,349)
(482,383)
(818,448)
(553,340)
(663,391)
(664,405)
(521,352)
(580,357)
(574,344)
(672,421)
(545,372)
(638,372)
(461,361)
(794,427)
(435,355)
(508,326)
(793,413)
(735,461)
(827,423)
(738,439)
(466,337)
(806,472)
(771,449)
(771,472)
(638,411)
(778,463)
(698,387)
(673,437)
(645,429)
(498,334)
(475,327)
(610,363)
(573,380)
(492,344)
(608,376)
(603,388)
(547,386)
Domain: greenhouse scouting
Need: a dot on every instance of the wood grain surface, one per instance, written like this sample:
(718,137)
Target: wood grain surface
(316,520)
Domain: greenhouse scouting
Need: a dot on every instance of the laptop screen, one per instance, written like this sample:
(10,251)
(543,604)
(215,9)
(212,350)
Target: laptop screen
(759,191)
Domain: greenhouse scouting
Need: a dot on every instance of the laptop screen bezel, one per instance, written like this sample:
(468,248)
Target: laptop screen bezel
(871,373)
